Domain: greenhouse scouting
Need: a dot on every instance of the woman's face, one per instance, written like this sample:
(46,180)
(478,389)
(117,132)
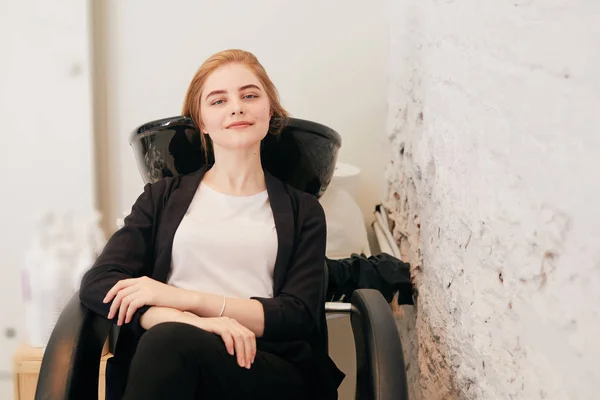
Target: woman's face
(234,107)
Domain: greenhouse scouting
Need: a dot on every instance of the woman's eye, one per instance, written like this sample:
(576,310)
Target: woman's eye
(217,102)
(250,96)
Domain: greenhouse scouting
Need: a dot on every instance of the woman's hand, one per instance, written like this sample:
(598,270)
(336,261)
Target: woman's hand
(238,339)
(131,294)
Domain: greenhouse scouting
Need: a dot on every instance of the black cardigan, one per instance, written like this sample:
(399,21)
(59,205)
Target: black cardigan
(295,326)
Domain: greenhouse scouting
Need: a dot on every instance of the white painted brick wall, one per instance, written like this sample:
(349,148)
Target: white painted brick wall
(494,183)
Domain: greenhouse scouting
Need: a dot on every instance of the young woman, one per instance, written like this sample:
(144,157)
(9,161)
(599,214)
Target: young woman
(217,276)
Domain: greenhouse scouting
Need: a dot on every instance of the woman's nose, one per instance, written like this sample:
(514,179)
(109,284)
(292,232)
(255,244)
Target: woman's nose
(237,108)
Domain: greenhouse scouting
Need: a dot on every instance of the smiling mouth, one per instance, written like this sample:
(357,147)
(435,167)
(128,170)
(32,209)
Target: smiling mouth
(239,125)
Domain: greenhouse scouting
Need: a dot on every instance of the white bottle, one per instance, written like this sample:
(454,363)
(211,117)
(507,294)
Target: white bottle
(37,281)
(46,286)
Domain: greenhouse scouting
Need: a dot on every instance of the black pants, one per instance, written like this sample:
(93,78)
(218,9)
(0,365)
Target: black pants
(179,361)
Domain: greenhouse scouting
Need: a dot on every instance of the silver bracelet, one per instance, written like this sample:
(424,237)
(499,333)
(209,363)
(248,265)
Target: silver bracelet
(222,308)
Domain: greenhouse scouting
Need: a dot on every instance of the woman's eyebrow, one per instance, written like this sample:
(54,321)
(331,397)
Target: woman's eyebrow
(250,86)
(215,92)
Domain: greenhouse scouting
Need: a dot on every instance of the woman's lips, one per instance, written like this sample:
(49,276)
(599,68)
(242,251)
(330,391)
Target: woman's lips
(239,125)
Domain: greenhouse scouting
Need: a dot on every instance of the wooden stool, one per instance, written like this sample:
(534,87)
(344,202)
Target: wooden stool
(27,362)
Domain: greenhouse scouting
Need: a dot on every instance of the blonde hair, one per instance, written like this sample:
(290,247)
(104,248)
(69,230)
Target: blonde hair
(191,105)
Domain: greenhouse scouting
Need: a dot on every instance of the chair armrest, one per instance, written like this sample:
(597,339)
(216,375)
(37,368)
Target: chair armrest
(380,369)
(71,362)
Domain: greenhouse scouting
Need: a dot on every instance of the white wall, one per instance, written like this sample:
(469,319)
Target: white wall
(328,59)
(494,184)
(45,134)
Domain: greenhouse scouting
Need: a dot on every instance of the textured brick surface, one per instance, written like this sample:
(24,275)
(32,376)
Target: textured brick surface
(493,185)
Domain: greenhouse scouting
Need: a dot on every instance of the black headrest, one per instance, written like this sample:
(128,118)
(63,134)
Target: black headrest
(303,155)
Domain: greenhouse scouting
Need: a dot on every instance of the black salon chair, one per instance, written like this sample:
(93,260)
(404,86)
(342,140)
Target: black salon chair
(304,156)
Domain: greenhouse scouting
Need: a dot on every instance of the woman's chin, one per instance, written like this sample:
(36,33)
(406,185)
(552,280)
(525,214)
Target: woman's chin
(240,140)
(241,144)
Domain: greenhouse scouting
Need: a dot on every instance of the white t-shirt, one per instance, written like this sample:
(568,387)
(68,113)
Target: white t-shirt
(225,245)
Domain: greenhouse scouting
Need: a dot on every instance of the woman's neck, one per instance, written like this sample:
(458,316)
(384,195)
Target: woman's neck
(236,173)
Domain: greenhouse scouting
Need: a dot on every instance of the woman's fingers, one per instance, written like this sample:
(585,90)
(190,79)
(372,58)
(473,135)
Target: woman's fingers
(122,284)
(239,340)
(123,309)
(253,347)
(240,346)
(129,305)
(250,346)
(247,341)
(228,340)
(116,304)
(133,307)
